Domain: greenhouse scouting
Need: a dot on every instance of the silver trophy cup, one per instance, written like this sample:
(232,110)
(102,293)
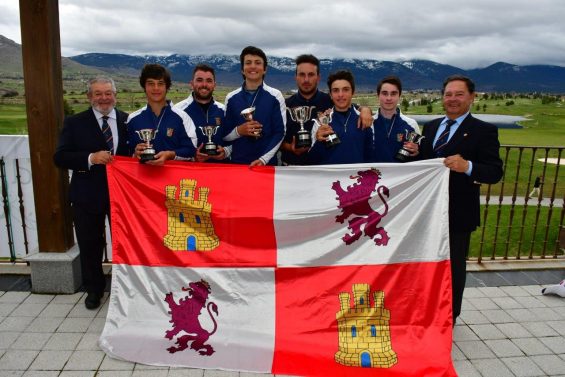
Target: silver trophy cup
(210,148)
(302,114)
(248,114)
(147,135)
(402,154)
(325,119)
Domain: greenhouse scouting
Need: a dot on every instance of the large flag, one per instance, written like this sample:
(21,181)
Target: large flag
(336,270)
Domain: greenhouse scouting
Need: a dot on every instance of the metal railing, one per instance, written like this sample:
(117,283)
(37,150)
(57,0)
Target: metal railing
(514,226)
(7,207)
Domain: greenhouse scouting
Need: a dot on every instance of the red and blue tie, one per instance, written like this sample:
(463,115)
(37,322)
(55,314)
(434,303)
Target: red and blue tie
(443,139)
(107,131)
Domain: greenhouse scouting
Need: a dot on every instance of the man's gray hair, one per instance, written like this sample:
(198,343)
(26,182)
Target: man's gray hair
(102,80)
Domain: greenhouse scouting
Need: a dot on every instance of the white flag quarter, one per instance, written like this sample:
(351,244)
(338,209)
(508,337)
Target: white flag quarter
(403,199)
(138,317)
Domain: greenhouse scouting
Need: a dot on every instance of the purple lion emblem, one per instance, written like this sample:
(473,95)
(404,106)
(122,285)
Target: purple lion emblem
(184,317)
(354,201)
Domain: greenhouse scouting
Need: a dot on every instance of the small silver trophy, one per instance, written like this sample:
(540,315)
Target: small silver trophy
(210,148)
(147,135)
(301,114)
(325,119)
(402,155)
(247,114)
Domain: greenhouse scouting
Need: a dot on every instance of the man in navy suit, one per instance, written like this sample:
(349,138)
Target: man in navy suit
(470,148)
(88,142)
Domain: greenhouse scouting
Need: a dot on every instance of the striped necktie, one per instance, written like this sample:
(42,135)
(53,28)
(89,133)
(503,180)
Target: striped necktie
(107,131)
(443,139)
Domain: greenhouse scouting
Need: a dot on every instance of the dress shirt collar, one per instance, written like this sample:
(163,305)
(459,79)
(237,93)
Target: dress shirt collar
(458,120)
(99,115)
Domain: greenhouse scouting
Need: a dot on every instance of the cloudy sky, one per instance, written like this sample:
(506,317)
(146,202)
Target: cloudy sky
(463,33)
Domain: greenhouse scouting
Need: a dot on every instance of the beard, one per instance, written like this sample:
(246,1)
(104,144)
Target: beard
(202,98)
(306,93)
(104,111)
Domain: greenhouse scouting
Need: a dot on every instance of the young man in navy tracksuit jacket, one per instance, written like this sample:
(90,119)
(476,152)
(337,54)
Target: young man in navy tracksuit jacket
(390,126)
(205,111)
(355,143)
(255,142)
(176,136)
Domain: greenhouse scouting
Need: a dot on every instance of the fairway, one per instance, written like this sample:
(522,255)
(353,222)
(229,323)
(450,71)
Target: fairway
(516,231)
(13,120)
(545,127)
(506,232)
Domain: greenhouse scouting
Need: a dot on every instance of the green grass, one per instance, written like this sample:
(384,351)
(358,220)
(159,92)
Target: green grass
(519,231)
(523,166)
(545,127)
(13,119)
(524,234)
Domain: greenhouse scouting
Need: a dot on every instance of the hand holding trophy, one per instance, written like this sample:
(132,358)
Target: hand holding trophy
(325,118)
(403,154)
(147,135)
(302,114)
(248,114)
(210,148)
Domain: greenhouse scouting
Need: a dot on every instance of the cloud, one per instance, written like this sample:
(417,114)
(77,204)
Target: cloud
(467,33)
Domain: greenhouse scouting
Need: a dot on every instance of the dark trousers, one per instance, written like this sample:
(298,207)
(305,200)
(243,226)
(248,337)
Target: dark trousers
(89,229)
(458,250)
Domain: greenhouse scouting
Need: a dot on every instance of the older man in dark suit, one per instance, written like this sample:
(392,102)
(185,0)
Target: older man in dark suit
(88,142)
(470,148)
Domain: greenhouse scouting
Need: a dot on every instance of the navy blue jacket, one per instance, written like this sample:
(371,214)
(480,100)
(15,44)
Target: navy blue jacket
(270,111)
(213,116)
(321,101)
(81,135)
(356,143)
(175,130)
(389,136)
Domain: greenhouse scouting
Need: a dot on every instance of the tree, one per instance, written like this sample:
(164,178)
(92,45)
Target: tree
(485,108)
(405,104)
(67,109)
(430,108)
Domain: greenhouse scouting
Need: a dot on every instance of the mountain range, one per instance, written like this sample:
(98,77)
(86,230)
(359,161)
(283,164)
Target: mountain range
(415,74)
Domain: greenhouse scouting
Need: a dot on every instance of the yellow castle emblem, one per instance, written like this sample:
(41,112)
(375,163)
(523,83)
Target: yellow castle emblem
(189,225)
(364,331)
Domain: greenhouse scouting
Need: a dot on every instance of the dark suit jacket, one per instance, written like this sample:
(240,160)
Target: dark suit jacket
(81,135)
(476,141)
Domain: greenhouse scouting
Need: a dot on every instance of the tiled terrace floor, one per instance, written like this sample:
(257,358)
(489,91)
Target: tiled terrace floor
(507,328)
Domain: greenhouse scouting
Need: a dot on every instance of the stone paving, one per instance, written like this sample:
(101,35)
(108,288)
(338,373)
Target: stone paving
(503,331)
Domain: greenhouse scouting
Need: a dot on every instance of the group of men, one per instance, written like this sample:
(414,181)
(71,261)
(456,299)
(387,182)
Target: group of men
(253,126)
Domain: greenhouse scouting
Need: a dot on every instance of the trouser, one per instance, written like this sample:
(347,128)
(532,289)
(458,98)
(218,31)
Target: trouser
(458,250)
(534,193)
(89,230)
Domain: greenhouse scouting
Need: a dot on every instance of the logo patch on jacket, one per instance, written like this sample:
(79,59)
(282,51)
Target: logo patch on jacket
(170,132)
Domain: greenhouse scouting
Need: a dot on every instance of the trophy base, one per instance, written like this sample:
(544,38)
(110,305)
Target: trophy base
(402,156)
(304,140)
(332,141)
(144,157)
(211,150)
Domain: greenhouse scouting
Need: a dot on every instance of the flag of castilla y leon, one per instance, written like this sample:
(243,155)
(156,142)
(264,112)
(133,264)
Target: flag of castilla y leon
(312,271)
